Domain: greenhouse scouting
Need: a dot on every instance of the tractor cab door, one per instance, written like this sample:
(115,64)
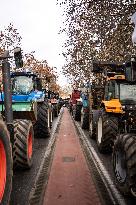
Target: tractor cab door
(109,90)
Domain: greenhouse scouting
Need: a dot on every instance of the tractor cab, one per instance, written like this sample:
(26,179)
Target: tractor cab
(25,79)
(22,84)
(26,86)
(121,85)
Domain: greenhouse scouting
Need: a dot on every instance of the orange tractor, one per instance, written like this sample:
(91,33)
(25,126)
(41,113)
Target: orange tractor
(113,118)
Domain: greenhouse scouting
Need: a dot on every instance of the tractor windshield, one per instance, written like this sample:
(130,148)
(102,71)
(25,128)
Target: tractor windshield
(128,93)
(22,85)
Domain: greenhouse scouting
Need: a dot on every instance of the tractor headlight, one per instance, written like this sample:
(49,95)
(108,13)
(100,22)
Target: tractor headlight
(123,107)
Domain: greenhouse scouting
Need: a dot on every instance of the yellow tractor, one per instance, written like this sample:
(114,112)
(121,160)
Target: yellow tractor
(113,118)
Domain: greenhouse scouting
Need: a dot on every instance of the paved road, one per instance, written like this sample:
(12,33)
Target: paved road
(107,162)
(70,181)
(23,181)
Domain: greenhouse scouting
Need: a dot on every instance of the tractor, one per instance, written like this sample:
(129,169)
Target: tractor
(54,102)
(113,118)
(24,113)
(29,101)
(76,105)
(85,110)
(16,135)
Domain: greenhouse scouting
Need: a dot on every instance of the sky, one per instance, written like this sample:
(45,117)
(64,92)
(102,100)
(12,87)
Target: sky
(38,22)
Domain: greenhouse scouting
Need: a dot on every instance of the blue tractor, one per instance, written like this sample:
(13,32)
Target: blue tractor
(29,102)
(23,114)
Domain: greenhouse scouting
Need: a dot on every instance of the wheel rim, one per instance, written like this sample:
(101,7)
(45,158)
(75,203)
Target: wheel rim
(48,118)
(30,145)
(82,115)
(91,128)
(81,119)
(3,169)
(100,130)
(120,166)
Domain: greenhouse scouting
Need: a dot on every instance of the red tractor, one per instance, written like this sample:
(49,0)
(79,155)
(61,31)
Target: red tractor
(76,104)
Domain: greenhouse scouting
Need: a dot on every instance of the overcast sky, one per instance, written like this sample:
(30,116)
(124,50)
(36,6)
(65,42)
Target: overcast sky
(38,22)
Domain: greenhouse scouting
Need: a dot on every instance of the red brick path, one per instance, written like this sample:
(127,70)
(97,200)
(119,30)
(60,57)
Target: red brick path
(70,182)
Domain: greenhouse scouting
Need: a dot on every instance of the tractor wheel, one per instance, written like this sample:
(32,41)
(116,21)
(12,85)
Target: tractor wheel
(93,123)
(55,110)
(6,165)
(85,121)
(124,163)
(41,127)
(107,128)
(23,144)
(50,117)
(77,113)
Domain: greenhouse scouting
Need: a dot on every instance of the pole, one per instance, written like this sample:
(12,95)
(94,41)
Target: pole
(7,91)
(7,95)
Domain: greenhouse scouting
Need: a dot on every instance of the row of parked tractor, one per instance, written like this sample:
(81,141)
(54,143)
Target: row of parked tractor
(107,108)
(27,111)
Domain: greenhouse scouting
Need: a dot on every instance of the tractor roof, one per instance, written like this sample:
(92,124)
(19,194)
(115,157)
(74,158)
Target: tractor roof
(29,74)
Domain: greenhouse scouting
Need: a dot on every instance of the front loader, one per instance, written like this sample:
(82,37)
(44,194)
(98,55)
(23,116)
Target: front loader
(114,126)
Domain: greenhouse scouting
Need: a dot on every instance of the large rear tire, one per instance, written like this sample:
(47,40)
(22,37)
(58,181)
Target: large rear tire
(23,144)
(6,165)
(124,163)
(41,127)
(107,129)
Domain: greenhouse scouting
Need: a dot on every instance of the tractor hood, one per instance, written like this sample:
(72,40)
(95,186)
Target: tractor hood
(33,96)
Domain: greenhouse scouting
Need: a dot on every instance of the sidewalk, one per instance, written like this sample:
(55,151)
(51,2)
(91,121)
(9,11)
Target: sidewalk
(70,181)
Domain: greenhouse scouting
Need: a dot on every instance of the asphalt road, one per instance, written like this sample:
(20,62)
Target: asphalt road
(23,181)
(106,159)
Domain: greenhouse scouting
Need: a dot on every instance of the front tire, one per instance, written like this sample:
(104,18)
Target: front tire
(6,165)
(93,123)
(107,129)
(85,121)
(23,144)
(124,163)
(77,113)
(41,128)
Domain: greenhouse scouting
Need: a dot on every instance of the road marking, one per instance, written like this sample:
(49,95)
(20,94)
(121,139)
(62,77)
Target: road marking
(68,159)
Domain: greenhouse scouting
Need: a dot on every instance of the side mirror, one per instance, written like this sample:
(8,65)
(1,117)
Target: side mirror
(18,57)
